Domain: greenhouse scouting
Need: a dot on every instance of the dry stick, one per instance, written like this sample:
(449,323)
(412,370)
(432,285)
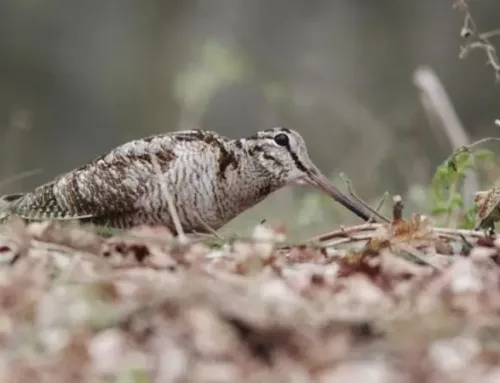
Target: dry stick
(371,227)
(341,233)
(350,188)
(351,238)
(397,208)
(58,248)
(442,115)
(467,148)
(470,30)
(367,237)
(487,35)
(445,232)
(19,176)
(170,201)
(417,254)
(344,236)
(382,201)
(207,226)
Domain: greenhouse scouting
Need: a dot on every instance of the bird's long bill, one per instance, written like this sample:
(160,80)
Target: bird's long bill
(322,183)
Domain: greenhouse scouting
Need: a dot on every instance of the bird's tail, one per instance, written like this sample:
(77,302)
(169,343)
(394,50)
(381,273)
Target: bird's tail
(5,202)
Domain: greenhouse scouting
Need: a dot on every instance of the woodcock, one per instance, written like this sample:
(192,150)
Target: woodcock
(210,178)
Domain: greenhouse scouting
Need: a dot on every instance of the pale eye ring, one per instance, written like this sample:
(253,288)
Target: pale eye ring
(281,139)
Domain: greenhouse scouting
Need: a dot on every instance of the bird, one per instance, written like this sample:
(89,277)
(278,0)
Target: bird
(487,206)
(210,178)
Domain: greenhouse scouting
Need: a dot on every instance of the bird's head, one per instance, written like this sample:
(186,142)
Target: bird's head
(283,153)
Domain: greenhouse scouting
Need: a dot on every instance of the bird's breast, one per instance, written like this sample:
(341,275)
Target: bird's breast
(203,196)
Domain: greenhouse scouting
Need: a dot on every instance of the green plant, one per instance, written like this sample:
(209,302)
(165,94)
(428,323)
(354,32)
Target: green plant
(447,202)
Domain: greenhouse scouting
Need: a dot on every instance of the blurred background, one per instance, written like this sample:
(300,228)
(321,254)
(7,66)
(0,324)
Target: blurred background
(78,77)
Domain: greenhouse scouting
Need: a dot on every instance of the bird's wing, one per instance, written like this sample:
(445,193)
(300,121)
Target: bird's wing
(109,185)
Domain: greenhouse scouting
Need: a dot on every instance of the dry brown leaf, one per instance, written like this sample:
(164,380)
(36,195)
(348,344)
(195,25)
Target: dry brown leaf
(417,233)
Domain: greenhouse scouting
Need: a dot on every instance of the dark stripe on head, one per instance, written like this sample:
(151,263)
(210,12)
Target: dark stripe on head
(296,159)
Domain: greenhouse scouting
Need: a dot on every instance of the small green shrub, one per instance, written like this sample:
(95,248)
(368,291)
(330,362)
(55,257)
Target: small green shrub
(447,202)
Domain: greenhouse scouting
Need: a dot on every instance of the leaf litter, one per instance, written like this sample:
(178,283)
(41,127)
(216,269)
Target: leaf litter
(396,302)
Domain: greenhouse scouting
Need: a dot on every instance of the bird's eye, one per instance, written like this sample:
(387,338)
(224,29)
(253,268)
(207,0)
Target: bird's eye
(281,139)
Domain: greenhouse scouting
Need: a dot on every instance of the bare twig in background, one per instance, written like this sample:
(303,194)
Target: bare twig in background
(477,40)
(170,201)
(12,138)
(443,116)
(19,176)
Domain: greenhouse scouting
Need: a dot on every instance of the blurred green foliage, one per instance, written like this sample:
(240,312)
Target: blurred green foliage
(214,66)
(447,202)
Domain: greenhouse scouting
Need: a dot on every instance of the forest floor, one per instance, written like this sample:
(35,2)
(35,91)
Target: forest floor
(397,302)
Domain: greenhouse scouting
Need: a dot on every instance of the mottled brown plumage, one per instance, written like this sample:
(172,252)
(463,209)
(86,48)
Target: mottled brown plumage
(487,204)
(211,179)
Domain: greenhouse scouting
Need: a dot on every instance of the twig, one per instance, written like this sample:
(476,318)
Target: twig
(416,254)
(397,208)
(19,176)
(487,35)
(355,234)
(382,201)
(347,235)
(351,238)
(466,246)
(207,226)
(353,194)
(341,233)
(468,147)
(368,228)
(476,39)
(170,201)
(442,115)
